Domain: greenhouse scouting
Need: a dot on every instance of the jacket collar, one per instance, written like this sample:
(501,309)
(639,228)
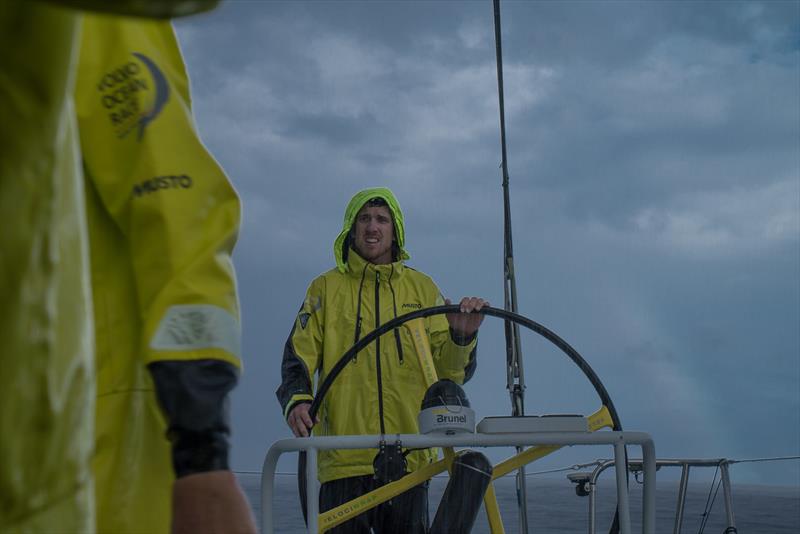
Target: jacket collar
(357,264)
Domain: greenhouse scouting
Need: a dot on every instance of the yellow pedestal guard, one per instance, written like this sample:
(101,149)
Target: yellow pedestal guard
(493,511)
(342,513)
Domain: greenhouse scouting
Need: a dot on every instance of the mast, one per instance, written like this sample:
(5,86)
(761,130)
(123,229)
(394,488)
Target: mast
(515,382)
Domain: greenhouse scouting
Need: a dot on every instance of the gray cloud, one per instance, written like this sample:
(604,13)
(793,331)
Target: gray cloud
(655,178)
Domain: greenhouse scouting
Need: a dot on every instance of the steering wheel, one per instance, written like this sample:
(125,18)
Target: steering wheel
(521,320)
(565,347)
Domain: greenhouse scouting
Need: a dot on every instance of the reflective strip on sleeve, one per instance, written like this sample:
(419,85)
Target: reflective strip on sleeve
(198,326)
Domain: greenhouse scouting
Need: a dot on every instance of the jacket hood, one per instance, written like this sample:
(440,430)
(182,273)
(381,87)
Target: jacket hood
(355,205)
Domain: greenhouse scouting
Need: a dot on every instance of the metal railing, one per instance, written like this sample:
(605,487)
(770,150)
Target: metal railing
(589,485)
(618,440)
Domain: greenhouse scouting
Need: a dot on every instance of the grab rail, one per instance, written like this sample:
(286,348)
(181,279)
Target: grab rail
(616,439)
(590,485)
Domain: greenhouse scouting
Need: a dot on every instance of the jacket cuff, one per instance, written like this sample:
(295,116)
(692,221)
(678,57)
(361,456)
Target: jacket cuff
(294,401)
(462,340)
(193,396)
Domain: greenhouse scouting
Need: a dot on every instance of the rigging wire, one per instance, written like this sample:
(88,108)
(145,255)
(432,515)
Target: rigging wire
(515,375)
(710,500)
(768,459)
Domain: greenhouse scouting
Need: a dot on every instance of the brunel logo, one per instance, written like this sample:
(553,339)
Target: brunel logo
(133,94)
(451,418)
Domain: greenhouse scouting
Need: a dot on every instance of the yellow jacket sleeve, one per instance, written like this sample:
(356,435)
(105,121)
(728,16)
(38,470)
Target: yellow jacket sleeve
(168,197)
(302,353)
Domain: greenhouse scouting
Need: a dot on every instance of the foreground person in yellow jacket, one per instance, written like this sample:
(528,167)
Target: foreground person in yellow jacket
(98,418)
(380,392)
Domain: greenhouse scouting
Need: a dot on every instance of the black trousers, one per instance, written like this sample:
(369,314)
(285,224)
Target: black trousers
(405,514)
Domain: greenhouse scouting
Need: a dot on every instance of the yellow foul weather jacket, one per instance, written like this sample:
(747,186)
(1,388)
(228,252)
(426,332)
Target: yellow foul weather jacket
(46,363)
(162,220)
(341,306)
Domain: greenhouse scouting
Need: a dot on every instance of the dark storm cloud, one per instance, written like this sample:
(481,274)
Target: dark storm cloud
(655,179)
(333,129)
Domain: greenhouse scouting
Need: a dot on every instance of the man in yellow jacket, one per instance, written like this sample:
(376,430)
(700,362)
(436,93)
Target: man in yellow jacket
(118,424)
(380,392)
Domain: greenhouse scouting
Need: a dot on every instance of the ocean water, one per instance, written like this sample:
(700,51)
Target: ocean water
(554,507)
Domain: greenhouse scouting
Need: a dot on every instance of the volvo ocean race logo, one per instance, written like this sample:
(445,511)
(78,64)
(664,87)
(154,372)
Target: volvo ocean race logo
(133,94)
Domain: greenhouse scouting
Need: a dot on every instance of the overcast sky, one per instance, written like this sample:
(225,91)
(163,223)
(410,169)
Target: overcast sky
(654,161)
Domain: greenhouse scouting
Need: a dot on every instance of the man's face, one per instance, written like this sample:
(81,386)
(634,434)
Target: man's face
(374,232)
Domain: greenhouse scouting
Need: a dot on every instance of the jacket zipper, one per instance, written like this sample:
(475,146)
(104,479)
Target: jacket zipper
(396,330)
(357,333)
(378,348)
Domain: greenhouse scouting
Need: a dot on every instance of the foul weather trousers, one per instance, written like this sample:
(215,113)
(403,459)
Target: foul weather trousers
(405,514)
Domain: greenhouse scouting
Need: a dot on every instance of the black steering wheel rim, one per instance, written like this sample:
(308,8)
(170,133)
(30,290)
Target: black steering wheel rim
(521,320)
